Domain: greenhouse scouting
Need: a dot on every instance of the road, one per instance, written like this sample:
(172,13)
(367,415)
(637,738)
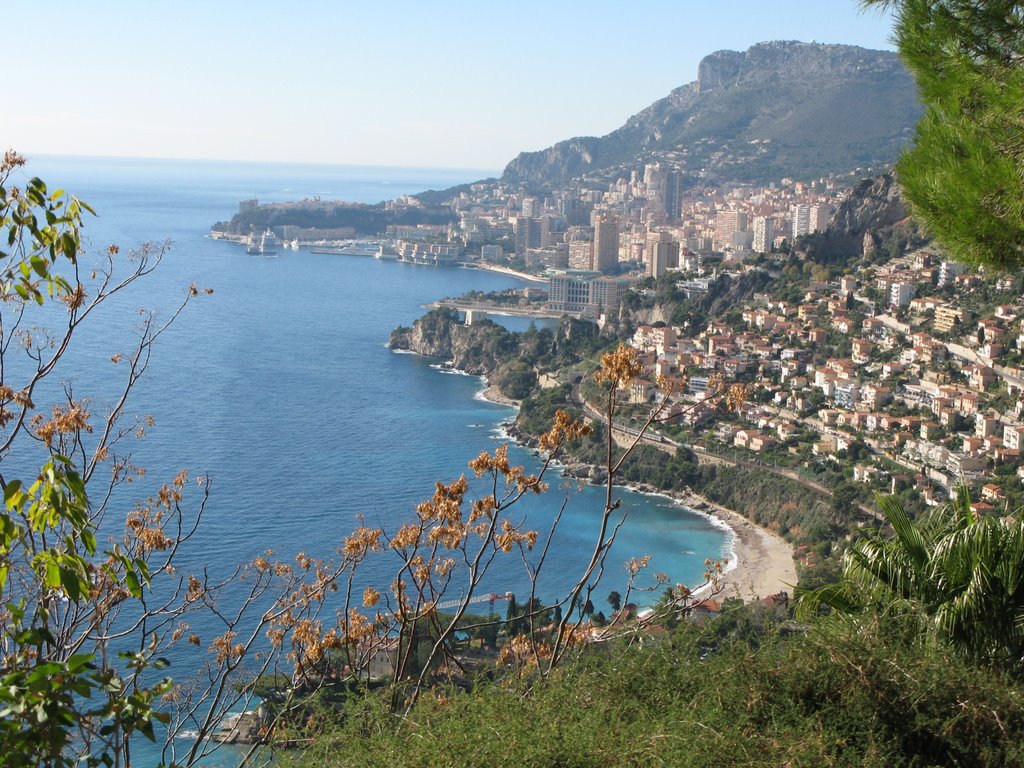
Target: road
(652,437)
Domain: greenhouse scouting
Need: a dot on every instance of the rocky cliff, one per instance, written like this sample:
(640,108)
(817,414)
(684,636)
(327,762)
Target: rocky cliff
(872,205)
(777,109)
(476,349)
(510,361)
(863,220)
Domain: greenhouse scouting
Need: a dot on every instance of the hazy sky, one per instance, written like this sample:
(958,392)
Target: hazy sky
(424,83)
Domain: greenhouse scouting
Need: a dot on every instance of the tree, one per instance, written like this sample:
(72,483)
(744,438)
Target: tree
(615,600)
(57,686)
(959,574)
(85,626)
(964,175)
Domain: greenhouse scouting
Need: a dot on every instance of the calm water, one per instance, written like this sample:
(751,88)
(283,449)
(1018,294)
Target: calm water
(279,385)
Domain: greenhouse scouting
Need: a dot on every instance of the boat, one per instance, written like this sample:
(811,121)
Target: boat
(262,244)
(268,242)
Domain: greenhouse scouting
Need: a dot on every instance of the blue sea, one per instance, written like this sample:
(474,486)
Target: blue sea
(279,385)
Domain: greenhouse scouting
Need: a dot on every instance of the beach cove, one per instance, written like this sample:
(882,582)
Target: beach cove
(761,563)
(280,387)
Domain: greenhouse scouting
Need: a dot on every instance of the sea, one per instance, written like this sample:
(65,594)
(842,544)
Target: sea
(278,386)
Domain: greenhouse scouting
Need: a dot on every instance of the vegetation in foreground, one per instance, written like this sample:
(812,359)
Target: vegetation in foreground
(748,690)
(917,664)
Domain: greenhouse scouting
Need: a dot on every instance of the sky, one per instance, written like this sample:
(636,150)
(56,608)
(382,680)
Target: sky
(426,83)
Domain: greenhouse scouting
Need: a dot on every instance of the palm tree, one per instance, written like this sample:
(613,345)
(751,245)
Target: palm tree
(962,573)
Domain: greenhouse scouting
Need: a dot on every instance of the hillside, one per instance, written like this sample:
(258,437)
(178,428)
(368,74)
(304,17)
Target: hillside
(811,108)
(364,219)
(750,689)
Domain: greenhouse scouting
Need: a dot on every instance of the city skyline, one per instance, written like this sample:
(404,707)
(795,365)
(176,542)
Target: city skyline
(409,85)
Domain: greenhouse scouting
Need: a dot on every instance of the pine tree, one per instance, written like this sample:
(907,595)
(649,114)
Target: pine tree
(964,175)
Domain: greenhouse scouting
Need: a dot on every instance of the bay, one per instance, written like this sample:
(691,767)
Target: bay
(279,386)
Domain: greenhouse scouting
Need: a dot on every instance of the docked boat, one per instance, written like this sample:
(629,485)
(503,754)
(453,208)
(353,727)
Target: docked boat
(262,244)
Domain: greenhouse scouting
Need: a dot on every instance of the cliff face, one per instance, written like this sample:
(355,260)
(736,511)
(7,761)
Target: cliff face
(510,361)
(863,219)
(872,205)
(777,109)
(565,160)
(476,349)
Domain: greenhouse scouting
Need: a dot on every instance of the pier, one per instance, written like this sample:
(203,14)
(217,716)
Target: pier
(480,307)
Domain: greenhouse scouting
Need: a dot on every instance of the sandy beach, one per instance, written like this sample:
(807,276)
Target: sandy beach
(491,394)
(763,561)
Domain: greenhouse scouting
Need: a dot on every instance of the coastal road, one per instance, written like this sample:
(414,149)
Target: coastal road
(710,457)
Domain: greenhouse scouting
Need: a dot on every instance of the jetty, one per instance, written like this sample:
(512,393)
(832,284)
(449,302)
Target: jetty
(482,307)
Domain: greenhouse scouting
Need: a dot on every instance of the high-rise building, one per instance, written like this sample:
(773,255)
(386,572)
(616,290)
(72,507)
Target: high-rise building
(530,233)
(492,253)
(727,224)
(819,217)
(801,220)
(654,179)
(530,208)
(949,270)
(900,293)
(606,244)
(660,256)
(764,233)
(673,195)
(581,254)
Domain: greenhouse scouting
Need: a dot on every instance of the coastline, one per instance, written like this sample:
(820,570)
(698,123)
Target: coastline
(508,271)
(490,393)
(760,563)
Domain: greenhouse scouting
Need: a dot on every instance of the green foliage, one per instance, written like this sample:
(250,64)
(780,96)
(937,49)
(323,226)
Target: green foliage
(959,575)
(61,702)
(963,176)
(38,229)
(366,219)
(665,471)
(537,412)
(742,692)
(773,502)
(515,379)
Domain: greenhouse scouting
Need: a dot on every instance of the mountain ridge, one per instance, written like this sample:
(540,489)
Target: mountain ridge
(781,108)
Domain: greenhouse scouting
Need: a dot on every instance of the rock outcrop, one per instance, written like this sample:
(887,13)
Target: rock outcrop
(477,349)
(862,220)
(872,205)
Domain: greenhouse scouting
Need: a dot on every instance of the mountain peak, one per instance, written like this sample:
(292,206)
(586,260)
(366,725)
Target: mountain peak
(780,108)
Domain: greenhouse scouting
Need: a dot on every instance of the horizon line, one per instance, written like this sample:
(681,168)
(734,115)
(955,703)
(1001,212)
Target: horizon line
(29,156)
